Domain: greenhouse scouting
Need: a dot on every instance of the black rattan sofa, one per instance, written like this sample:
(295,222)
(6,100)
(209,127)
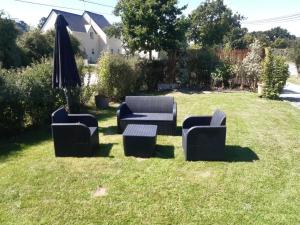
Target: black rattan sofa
(74,134)
(153,110)
(203,137)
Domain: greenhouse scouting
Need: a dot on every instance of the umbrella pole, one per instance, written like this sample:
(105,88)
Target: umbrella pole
(68,99)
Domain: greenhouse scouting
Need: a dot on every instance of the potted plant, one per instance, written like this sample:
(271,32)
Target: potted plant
(101,100)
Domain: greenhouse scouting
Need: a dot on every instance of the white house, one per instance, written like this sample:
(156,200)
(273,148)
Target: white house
(89,29)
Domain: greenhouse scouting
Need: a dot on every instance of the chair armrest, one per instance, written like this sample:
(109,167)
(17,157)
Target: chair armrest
(123,110)
(175,112)
(193,121)
(87,119)
(70,132)
(196,134)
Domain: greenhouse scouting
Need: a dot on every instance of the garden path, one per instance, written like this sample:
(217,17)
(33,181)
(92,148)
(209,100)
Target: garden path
(291,93)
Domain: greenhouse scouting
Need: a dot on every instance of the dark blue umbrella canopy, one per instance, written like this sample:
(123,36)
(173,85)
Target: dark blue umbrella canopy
(65,72)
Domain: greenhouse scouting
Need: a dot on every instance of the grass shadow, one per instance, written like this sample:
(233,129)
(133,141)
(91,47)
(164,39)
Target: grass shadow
(164,152)
(32,136)
(104,150)
(101,114)
(178,131)
(234,153)
(111,130)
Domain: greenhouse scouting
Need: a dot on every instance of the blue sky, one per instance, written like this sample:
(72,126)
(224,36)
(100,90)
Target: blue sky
(251,9)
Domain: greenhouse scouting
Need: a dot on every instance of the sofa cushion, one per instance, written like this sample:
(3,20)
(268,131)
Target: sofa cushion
(150,104)
(149,116)
(218,118)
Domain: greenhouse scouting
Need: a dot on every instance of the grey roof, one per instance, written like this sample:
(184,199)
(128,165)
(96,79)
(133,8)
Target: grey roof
(76,22)
(99,19)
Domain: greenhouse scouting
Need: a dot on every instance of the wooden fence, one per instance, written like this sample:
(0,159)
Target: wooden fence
(235,55)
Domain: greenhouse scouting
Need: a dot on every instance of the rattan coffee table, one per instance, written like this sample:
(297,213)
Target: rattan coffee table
(139,140)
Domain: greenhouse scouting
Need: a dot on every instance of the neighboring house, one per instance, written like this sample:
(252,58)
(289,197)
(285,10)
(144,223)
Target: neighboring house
(89,29)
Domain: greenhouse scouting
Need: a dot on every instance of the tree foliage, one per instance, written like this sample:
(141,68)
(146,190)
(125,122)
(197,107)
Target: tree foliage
(211,21)
(276,37)
(150,25)
(35,45)
(9,53)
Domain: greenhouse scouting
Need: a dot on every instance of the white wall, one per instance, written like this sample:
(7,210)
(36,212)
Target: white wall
(100,43)
(88,45)
(114,45)
(155,55)
(50,23)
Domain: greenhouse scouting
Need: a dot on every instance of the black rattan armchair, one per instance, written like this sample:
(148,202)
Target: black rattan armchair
(74,134)
(203,137)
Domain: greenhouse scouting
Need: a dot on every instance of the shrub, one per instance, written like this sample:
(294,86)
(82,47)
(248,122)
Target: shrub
(296,54)
(151,72)
(40,99)
(201,63)
(116,76)
(252,65)
(274,75)
(11,101)
(222,74)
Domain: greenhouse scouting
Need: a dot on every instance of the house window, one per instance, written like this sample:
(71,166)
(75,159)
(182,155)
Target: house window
(93,51)
(111,51)
(92,35)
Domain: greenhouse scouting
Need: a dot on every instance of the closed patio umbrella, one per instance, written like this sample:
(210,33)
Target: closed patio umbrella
(65,73)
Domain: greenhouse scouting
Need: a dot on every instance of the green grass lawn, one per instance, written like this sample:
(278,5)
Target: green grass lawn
(258,184)
(294,80)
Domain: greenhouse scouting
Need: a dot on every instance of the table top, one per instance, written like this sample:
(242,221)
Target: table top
(140,130)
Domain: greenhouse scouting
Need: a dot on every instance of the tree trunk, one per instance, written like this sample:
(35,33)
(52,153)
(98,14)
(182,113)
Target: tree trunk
(171,66)
(150,55)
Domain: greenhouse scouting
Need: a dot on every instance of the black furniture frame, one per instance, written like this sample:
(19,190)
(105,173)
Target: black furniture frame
(151,110)
(74,134)
(203,137)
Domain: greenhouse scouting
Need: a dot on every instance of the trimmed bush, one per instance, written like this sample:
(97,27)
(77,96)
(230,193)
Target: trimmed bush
(274,75)
(117,77)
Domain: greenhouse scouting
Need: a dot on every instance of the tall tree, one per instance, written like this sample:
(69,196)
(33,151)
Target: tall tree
(9,53)
(211,21)
(278,32)
(22,26)
(41,22)
(149,25)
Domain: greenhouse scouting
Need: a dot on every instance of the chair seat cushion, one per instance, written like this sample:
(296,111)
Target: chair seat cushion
(149,116)
(93,130)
